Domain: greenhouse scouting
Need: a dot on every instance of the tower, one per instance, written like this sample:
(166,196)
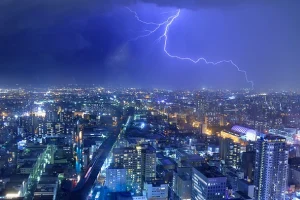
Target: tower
(271,165)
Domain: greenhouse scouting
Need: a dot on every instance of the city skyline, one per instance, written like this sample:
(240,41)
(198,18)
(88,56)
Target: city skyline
(68,142)
(149,100)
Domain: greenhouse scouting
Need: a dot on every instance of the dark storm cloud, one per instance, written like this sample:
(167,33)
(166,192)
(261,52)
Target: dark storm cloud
(31,14)
(197,4)
(41,39)
(211,4)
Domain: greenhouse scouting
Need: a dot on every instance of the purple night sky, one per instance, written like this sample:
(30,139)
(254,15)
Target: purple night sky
(81,41)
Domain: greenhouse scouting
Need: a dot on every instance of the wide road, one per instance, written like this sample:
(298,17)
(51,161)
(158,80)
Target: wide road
(87,181)
(85,185)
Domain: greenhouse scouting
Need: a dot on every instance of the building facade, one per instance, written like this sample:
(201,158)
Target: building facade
(148,162)
(139,162)
(182,182)
(208,184)
(156,190)
(271,165)
(116,178)
(131,159)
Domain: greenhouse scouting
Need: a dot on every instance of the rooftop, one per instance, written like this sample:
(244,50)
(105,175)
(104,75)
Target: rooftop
(245,182)
(123,150)
(43,197)
(209,172)
(241,129)
(273,137)
(19,177)
(243,195)
(28,165)
(167,161)
(156,183)
(185,177)
(116,166)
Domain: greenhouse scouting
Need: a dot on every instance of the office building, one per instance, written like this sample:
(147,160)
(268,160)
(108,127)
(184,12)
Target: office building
(246,188)
(116,178)
(182,182)
(156,190)
(208,184)
(47,188)
(271,165)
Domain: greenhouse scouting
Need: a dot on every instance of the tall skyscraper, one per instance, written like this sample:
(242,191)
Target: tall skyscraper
(208,184)
(271,165)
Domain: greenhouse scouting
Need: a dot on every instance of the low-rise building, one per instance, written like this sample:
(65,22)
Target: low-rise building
(156,190)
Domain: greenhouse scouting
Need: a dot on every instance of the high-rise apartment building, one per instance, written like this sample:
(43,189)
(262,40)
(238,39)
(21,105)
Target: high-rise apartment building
(148,162)
(230,152)
(271,165)
(139,162)
(131,159)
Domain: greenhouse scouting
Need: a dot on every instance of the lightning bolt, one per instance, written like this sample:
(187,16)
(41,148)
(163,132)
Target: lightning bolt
(168,22)
(149,32)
